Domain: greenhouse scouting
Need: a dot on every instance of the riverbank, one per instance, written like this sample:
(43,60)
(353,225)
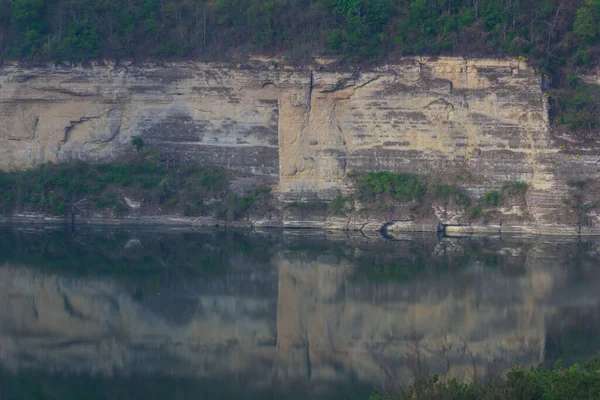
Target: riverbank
(389,228)
(141,190)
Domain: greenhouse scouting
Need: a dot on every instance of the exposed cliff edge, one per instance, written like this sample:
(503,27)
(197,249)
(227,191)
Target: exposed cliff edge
(307,129)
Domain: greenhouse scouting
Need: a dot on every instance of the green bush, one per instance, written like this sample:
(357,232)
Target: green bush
(400,186)
(138,143)
(339,205)
(492,198)
(474,212)
(582,200)
(202,181)
(587,21)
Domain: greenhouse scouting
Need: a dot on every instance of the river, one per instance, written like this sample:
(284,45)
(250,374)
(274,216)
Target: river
(183,314)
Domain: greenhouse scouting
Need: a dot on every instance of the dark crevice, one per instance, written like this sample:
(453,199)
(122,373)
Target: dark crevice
(310,90)
(70,309)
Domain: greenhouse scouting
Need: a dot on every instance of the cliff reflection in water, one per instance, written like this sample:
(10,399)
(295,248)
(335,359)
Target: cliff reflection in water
(265,314)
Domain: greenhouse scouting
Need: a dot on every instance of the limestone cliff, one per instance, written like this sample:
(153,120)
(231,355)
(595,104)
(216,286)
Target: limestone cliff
(193,113)
(309,126)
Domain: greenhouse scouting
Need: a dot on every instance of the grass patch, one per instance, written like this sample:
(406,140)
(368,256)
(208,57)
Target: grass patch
(339,206)
(238,207)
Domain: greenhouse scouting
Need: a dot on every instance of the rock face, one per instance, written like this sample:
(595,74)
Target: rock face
(308,127)
(193,114)
(486,117)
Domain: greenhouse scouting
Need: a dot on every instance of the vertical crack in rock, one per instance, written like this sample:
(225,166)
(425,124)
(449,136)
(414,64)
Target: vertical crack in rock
(310,90)
(309,97)
(36,120)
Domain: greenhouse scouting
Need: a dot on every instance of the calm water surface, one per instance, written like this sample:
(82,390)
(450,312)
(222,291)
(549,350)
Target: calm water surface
(174,314)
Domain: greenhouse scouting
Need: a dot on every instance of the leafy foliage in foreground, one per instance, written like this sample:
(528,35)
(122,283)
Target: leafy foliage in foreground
(518,384)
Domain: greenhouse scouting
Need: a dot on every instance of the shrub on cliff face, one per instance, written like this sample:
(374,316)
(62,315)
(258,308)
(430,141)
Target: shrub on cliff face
(517,188)
(492,198)
(453,193)
(400,186)
(495,198)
